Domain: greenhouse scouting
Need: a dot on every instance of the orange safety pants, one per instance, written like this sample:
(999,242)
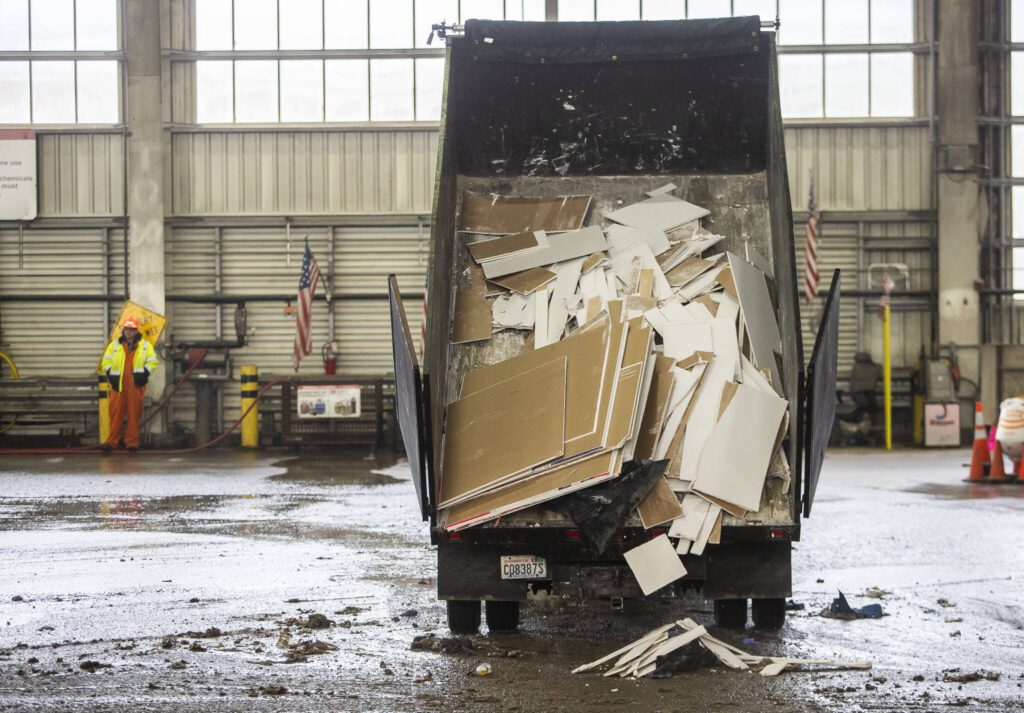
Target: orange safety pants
(122,404)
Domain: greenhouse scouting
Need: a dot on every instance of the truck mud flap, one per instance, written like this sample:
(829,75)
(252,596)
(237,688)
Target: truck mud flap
(749,570)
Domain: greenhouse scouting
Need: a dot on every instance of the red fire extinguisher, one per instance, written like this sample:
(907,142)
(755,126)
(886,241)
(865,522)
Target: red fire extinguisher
(330,355)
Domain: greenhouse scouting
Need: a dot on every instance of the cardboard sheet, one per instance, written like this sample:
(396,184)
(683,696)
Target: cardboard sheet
(505,429)
(561,247)
(623,264)
(714,512)
(523,283)
(531,491)
(758,317)
(655,564)
(472,319)
(659,506)
(735,458)
(509,245)
(658,213)
(498,215)
(540,332)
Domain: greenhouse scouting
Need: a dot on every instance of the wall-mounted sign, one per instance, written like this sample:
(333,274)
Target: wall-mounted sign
(18,194)
(328,401)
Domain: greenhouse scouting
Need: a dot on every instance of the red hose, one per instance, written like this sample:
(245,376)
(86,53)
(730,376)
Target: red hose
(91,450)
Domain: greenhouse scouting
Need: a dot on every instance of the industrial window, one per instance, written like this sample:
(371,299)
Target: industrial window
(838,58)
(386,74)
(66,87)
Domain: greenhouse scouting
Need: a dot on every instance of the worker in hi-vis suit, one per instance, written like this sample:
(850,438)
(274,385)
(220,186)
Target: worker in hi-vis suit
(128,361)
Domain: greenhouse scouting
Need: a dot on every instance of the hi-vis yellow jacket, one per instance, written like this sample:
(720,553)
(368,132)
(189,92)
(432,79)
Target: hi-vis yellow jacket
(143,364)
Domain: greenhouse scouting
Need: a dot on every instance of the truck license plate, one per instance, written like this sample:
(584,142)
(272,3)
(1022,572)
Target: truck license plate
(524,567)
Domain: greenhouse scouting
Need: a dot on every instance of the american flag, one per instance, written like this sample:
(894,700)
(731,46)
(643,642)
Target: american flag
(811,255)
(303,317)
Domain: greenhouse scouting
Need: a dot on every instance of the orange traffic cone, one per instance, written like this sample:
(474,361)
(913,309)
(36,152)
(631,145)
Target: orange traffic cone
(997,470)
(979,454)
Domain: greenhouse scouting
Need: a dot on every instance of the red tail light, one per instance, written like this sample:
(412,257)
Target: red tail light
(776,534)
(454,536)
(573,535)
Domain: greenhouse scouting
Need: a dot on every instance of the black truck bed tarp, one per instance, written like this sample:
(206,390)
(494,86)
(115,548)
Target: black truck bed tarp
(546,42)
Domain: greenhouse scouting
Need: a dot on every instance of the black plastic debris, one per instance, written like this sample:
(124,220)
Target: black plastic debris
(794,606)
(601,510)
(691,657)
(841,609)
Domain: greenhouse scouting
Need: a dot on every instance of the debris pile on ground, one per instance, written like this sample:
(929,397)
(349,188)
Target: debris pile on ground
(685,646)
(463,645)
(841,609)
(312,621)
(639,359)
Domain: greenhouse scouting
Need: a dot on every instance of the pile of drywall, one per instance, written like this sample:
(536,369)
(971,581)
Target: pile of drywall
(681,645)
(643,344)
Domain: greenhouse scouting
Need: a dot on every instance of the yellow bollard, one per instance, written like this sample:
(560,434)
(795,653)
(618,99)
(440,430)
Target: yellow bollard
(251,420)
(887,372)
(103,401)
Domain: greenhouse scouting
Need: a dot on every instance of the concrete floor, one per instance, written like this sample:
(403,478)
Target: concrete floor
(103,558)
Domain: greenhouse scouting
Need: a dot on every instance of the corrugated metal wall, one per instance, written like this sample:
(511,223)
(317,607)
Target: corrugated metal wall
(255,261)
(300,173)
(80,181)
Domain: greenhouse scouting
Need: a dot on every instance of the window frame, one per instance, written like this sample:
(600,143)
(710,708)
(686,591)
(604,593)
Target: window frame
(75,56)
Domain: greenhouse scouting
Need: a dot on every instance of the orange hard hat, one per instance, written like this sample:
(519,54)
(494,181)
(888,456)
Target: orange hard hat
(131,323)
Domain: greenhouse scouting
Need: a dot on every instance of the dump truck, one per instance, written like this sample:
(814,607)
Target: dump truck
(613,110)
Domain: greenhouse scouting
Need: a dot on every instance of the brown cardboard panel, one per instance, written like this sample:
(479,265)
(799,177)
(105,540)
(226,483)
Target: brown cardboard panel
(654,411)
(533,491)
(715,538)
(734,510)
(676,447)
(497,215)
(694,359)
(726,280)
(593,309)
(586,353)
(523,283)
(660,505)
(624,405)
(638,342)
(506,429)
(595,438)
(687,270)
(645,287)
(499,247)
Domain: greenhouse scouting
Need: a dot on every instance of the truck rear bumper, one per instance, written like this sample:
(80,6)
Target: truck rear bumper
(748,567)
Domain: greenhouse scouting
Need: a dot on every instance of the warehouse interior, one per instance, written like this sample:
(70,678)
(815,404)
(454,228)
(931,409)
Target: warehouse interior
(188,154)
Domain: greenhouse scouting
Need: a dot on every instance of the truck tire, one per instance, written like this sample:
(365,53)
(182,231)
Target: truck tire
(463,616)
(768,613)
(502,616)
(731,613)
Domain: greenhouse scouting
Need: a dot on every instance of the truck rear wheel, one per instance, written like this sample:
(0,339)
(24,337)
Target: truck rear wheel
(463,616)
(731,613)
(502,616)
(768,613)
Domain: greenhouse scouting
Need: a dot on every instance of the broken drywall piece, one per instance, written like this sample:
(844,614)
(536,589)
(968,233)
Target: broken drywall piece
(622,237)
(762,328)
(523,283)
(705,530)
(659,506)
(492,214)
(687,526)
(682,339)
(622,262)
(513,312)
(667,188)
(704,415)
(502,430)
(568,276)
(659,213)
(561,247)
(655,564)
(758,260)
(540,336)
(484,250)
(736,455)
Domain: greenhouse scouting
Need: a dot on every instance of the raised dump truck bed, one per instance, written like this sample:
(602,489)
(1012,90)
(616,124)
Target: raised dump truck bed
(612,110)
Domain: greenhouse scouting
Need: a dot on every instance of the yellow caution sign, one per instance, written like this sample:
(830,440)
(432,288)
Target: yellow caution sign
(151,325)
